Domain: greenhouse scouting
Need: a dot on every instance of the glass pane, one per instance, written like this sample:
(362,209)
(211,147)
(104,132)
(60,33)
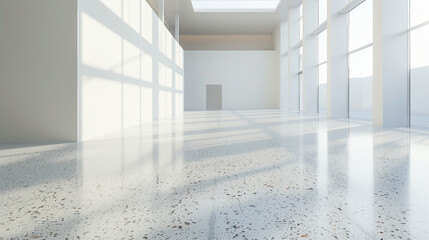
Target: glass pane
(419,12)
(323,9)
(301,94)
(323,46)
(419,76)
(360,25)
(300,59)
(360,72)
(323,81)
(301,24)
(419,46)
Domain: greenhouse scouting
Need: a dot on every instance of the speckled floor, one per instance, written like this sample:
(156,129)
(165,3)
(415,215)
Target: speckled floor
(222,175)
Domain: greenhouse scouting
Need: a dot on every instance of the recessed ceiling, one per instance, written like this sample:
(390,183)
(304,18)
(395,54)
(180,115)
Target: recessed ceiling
(235,5)
(236,23)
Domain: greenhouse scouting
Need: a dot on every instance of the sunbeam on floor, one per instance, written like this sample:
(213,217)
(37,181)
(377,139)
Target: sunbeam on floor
(262,174)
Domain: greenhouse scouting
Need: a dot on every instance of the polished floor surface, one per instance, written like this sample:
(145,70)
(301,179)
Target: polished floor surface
(222,175)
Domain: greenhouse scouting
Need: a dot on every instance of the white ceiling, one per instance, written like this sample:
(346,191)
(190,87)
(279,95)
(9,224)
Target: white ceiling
(206,23)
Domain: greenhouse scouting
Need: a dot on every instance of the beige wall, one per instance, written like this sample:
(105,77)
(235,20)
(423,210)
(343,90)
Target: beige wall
(38,71)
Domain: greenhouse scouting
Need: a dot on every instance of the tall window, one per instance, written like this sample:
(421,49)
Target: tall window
(301,86)
(323,78)
(360,61)
(301,22)
(322,63)
(419,62)
(323,10)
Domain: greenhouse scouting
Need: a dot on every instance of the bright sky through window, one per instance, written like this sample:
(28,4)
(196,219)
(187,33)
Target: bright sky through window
(235,5)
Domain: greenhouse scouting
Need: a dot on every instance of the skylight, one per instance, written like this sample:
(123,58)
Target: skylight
(235,5)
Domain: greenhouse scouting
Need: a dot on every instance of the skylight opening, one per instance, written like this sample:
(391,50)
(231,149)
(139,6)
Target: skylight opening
(235,5)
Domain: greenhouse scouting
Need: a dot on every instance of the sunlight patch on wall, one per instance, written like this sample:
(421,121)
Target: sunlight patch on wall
(165,104)
(102,107)
(178,82)
(146,21)
(146,67)
(165,41)
(178,58)
(165,76)
(132,14)
(178,103)
(146,104)
(104,55)
(131,112)
(113,5)
(123,85)
(131,60)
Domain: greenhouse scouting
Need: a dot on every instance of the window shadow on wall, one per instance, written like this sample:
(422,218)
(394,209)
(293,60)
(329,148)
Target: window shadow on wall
(130,67)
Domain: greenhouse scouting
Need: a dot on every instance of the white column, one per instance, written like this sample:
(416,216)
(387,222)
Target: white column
(390,82)
(310,58)
(337,90)
(293,62)
(177,27)
(161,10)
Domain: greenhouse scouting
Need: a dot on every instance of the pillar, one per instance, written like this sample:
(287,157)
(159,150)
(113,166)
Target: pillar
(337,89)
(310,58)
(390,84)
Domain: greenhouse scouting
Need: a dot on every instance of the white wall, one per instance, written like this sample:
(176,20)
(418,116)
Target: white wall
(130,67)
(249,78)
(38,71)
(227,42)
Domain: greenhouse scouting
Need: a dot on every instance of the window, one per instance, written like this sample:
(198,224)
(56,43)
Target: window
(323,44)
(360,84)
(235,6)
(419,63)
(301,87)
(360,61)
(322,67)
(323,10)
(323,88)
(300,59)
(301,93)
(419,10)
(360,26)
(301,23)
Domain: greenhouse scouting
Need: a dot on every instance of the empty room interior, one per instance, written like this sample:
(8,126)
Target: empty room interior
(214,119)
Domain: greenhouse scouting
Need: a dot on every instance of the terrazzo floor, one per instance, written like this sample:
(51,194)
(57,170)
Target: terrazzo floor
(222,175)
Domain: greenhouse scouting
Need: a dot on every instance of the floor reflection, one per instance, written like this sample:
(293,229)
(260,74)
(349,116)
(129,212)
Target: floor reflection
(360,178)
(222,175)
(419,186)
